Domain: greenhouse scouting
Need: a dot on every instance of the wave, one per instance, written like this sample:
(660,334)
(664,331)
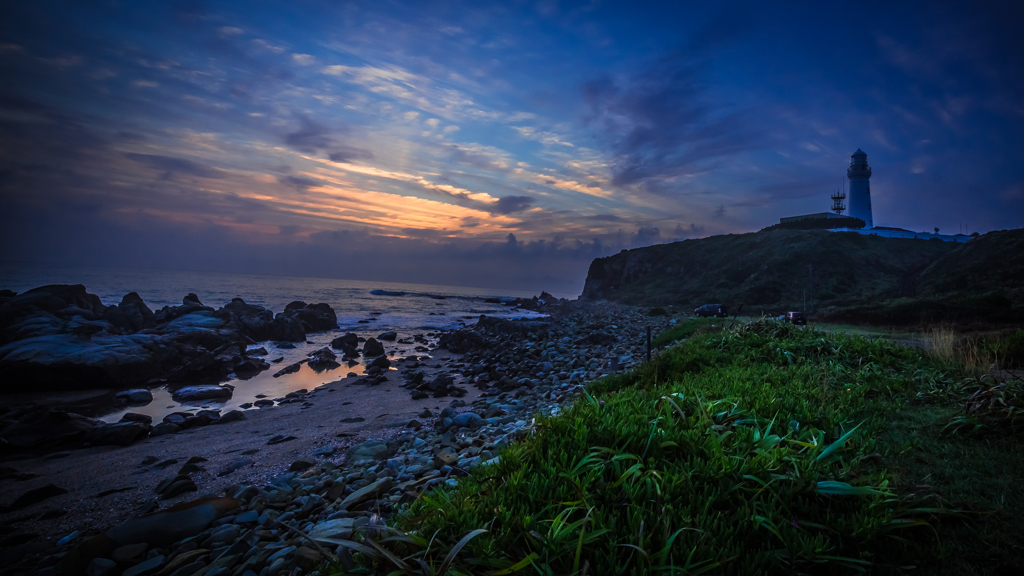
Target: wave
(379,292)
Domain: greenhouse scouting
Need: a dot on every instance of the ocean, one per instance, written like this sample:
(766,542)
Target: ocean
(381,306)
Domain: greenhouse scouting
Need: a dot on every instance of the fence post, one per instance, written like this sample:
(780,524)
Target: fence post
(648,343)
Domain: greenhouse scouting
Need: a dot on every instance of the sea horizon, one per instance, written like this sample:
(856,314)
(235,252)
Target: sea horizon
(21,276)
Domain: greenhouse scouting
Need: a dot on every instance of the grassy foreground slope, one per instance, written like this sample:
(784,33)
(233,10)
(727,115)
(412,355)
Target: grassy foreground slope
(766,449)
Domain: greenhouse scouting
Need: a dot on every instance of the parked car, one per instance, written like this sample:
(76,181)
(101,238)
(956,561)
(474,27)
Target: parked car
(796,318)
(713,310)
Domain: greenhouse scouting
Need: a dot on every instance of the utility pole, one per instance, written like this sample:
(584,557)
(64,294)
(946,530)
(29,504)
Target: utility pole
(810,283)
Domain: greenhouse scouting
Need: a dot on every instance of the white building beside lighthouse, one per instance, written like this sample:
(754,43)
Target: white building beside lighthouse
(860,188)
(859,174)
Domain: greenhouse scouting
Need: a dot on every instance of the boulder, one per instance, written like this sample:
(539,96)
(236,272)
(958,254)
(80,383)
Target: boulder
(136,312)
(48,429)
(164,428)
(196,393)
(134,396)
(323,359)
(34,496)
(389,336)
(347,341)
(372,348)
(288,329)
(370,450)
(318,317)
(365,493)
(254,321)
(120,434)
(468,420)
(339,528)
(135,417)
(231,416)
(173,524)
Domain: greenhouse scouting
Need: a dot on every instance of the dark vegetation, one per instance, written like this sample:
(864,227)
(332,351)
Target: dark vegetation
(843,277)
(760,449)
(818,224)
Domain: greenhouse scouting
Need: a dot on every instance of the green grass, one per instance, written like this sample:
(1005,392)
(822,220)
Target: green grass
(686,329)
(765,449)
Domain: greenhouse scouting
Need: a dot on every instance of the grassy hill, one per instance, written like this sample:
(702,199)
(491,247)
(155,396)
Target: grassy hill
(843,276)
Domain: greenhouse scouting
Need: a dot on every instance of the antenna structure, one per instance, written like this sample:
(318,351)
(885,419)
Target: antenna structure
(837,201)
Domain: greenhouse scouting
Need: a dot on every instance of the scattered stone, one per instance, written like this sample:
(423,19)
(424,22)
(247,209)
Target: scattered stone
(302,464)
(353,420)
(231,416)
(365,493)
(234,465)
(289,369)
(279,439)
(175,486)
(389,336)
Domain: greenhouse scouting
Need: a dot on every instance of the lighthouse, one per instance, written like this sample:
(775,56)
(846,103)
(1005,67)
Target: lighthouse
(860,190)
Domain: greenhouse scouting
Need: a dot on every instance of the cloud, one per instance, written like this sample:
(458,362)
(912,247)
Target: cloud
(299,182)
(303,59)
(511,204)
(604,218)
(719,212)
(171,165)
(312,137)
(661,122)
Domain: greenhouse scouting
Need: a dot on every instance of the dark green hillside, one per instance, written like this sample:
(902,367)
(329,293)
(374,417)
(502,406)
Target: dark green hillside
(768,270)
(993,262)
(981,282)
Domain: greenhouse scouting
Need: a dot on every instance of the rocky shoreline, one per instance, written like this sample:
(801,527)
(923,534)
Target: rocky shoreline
(314,467)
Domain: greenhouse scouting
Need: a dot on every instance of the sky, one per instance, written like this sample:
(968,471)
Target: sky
(492,144)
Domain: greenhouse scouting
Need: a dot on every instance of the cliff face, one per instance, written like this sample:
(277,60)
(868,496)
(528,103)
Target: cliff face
(768,269)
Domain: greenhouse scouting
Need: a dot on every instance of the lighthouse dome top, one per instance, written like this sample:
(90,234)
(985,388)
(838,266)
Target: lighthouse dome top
(859,152)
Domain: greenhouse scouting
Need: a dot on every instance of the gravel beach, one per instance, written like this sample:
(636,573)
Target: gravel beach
(344,451)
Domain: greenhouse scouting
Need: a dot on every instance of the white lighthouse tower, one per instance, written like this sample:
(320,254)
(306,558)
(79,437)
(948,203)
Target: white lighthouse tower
(860,190)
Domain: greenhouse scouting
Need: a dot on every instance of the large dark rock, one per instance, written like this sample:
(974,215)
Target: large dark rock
(462,341)
(196,393)
(372,348)
(48,429)
(348,344)
(134,396)
(254,321)
(35,495)
(323,359)
(136,312)
(120,434)
(62,337)
(318,317)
